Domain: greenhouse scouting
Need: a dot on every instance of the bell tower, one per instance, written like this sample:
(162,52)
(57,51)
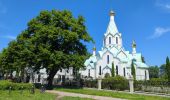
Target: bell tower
(112,35)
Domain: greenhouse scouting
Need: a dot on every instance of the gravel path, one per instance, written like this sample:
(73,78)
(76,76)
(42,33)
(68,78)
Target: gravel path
(62,94)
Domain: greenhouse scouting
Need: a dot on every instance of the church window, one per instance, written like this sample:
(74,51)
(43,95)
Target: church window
(145,75)
(100,70)
(110,40)
(107,59)
(116,70)
(39,77)
(60,70)
(124,72)
(67,70)
(89,73)
(116,40)
(59,77)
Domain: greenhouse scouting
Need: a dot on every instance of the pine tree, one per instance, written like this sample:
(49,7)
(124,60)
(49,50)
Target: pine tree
(168,68)
(113,70)
(133,72)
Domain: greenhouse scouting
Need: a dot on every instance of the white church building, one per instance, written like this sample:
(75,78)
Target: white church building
(100,63)
(113,51)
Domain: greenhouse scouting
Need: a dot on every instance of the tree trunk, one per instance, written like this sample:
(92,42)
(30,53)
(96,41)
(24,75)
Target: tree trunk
(50,78)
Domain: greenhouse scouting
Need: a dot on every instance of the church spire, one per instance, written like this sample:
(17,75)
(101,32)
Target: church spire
(133,47)
(94,50)
(112,13)
(112,36)
(112,28)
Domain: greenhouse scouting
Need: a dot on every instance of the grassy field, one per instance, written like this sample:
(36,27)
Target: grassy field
(113,94)
(74,98)
(15,95)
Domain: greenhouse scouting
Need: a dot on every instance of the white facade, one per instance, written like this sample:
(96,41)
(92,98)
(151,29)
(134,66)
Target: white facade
(61,75)
(113,52)
(100,63)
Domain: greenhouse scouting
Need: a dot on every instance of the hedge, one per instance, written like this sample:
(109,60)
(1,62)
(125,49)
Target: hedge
(157,82)
(115,83)
(6,84)
(90,83)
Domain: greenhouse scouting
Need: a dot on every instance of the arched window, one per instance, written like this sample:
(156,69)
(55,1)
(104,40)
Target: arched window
(145,75)
(116,40)
(124,72)
(100,70)
(110,41)
(39,78)
(89,73)
(107,59)
(116,70)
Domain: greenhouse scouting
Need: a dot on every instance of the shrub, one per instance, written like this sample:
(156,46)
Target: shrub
(5,84)
(107,75)
(115,83)
(157,82)
(90,83)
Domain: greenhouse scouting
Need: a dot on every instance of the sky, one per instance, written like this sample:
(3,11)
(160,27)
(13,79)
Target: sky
(145,21)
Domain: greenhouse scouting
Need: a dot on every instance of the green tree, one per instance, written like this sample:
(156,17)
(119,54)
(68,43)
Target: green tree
(143,59)
(113,70)
(53,40)
(162,72)
(153,72)
(133,72)
(15,57)
(168,68)
(107,75)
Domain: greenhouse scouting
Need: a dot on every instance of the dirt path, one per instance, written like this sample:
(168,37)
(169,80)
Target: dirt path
(62,94)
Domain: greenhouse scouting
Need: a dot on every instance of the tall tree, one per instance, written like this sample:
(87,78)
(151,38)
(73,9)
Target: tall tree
(133,72)
(113,70)
(53,40)
(162,71)
(153,72)
(143,59)
(168,68)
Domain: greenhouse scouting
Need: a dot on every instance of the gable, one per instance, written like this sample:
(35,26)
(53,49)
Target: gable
(121,54)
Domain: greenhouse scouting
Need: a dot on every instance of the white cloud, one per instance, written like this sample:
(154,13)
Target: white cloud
(159,31)
(163,4)
(9,37)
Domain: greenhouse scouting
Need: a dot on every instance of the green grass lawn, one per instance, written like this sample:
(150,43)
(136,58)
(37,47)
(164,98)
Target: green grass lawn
(74,98)
(15,95)
(113,94)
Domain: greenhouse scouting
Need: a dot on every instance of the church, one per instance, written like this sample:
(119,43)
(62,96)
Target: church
(101,62)
(113,52)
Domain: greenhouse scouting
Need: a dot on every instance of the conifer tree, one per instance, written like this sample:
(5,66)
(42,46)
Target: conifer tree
(168,68)
(133,72)
(113,70)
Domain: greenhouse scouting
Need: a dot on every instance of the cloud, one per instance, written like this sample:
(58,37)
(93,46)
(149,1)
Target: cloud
(159,31)
(164,4)
(9,37)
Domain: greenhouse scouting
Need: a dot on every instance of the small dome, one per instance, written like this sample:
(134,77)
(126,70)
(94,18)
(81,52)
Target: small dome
(112,13)
(134,44)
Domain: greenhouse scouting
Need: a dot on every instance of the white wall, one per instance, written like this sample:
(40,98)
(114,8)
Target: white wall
(113,40)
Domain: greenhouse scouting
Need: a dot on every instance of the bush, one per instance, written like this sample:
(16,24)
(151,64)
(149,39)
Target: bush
(115,83)
(5,84)
(90,83)
(157,82)
(107,75)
